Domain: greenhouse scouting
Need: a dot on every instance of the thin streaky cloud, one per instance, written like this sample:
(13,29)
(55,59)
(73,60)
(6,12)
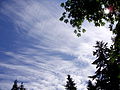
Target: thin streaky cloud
(47,49)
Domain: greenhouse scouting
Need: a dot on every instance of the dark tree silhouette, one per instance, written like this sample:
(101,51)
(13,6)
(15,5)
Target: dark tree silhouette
(101,75)
(107,72)
(90,86)
(76,11)
(107,75)
(22,87)
(15,86)
(70,84)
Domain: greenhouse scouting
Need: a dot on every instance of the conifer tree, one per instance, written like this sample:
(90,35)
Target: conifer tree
(107,72)
(90,86)
(15,86)
(70,84)
(22,87)
(101,76)
(18,87)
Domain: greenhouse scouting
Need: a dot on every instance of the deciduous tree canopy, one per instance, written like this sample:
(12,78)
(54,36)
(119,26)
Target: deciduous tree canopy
(98,11)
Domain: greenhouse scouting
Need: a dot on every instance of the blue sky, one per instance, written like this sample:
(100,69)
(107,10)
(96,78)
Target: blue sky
(39,50)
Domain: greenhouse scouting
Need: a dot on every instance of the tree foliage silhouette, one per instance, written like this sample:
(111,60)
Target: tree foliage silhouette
(70,84)
(107,71)
(15,86)
(18,87)
(22,87)
(107,63)
(77,11)
(91,86)
(101,65)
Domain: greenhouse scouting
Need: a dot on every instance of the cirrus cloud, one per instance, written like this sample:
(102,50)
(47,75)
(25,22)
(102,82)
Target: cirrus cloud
(47,49)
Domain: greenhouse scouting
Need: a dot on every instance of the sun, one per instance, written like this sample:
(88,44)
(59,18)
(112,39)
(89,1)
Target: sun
(107,11)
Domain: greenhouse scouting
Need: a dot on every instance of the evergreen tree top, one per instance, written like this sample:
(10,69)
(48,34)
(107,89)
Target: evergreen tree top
(70,84)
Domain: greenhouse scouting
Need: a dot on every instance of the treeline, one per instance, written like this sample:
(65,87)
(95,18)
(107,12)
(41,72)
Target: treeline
(18,87)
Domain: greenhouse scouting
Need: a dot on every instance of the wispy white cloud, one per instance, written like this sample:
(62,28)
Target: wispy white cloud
(43,65)
(44,71)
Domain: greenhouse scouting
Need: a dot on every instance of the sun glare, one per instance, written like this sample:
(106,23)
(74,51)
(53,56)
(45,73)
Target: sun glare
(107,11)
